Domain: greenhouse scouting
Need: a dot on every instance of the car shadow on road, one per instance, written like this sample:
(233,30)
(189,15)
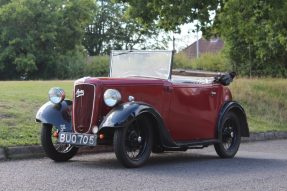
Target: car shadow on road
(203,164)
(183,162)
(167,158)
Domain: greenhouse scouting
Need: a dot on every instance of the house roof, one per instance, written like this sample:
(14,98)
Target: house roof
(205,46)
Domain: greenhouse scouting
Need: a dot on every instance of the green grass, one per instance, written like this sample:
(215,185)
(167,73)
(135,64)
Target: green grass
(19,102)
(265,102)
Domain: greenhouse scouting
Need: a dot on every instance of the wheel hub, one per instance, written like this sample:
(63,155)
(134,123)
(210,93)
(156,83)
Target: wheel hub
(228,136)
(139,139)
(134,140)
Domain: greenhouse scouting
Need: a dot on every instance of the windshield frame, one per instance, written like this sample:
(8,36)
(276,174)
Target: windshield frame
(120,52)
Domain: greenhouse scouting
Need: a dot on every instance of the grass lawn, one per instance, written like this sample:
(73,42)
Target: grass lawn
(265,102)
(19,102)
(263,99)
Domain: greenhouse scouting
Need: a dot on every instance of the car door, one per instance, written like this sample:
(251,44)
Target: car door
(193,111)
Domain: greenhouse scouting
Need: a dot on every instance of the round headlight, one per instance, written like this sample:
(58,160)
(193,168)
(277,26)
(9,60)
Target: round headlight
(56,95)
(112,97)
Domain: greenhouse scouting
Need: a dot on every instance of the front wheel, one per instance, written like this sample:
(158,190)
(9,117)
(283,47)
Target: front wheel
(230,136)
(57,152)
(133,144)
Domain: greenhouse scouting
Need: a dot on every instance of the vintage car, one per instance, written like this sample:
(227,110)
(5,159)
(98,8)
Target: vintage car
(142,107)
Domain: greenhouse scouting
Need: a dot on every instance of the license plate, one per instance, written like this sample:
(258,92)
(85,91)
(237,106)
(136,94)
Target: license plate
(77,139)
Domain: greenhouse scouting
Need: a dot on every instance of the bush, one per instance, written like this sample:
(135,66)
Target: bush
(71,65)
(98,66)
(212,62)
(76,64)
(208,61)
(182,61)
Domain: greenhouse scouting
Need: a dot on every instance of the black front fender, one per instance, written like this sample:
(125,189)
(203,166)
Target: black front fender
(123,115)
(57,115)
(239,111)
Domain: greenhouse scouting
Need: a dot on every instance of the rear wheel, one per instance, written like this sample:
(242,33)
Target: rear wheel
(230,136)
(57,152)
(132,144)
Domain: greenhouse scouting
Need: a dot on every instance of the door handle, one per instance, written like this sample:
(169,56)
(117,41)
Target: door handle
(213,93)
(168,88)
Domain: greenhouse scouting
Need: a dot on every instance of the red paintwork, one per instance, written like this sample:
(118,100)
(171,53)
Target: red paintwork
(189,110)
(83,108)
(193,111)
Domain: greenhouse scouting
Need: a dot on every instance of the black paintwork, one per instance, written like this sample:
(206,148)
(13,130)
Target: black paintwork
(225,79)
(238,109)
(124,114)
(56,115)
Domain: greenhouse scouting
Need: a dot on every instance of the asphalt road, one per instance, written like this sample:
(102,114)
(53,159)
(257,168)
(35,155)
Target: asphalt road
(258,166)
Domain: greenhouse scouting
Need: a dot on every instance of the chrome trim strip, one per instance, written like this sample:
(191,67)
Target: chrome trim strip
(75,84)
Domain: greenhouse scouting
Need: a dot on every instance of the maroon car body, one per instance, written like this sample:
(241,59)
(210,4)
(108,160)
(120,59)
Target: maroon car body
(152,114)
(189,110)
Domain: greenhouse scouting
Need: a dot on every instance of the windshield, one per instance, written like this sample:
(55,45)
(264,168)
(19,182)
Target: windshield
(155,64)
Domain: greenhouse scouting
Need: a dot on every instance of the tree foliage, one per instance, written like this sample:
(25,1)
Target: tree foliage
(51,39)
(35,34)
(112,29)
(256,36)
(169,14)
(255,31)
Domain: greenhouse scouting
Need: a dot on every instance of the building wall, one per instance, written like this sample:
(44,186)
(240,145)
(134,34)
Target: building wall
(205,46)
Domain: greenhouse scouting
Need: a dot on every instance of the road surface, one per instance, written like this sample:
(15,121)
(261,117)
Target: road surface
(258,166)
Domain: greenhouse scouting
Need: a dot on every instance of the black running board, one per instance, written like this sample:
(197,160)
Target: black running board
(198,144)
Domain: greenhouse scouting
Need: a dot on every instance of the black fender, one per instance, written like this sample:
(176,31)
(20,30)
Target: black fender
(57,115)
(239,111)
(124,114)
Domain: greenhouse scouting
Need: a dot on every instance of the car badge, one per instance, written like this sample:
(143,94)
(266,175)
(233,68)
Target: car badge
(80,93)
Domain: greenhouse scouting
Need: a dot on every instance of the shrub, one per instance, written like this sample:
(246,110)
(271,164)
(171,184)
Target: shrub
(208,61)
(76,64)
(98,66)
(212,62)
(71,65)
(182,61)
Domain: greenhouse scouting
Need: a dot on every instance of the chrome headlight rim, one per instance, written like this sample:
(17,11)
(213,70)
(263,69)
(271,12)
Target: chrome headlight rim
(112,97)
(56,95)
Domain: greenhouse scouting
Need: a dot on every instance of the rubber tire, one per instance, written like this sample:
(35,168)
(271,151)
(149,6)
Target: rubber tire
(119,146)
(49,148)
(219,148)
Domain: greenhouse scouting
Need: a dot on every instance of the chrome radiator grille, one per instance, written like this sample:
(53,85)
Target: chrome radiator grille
(83,107)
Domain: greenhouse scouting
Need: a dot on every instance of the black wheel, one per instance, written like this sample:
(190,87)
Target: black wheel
(57,152)
(133,143)
(230,136)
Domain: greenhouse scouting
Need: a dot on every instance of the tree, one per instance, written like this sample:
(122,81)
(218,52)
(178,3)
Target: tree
(256,35)
(34,34)
(169,14)
(112,29)
(255,31)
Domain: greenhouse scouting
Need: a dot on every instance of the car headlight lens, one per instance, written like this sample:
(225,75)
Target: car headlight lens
(112,97)
(56,95)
